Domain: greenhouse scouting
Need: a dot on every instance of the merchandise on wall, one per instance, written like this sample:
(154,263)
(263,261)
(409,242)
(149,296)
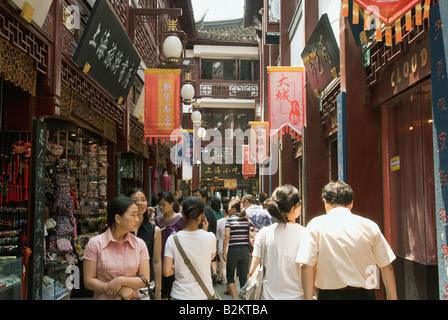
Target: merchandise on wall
(76,191)
(15,153)
(131,172)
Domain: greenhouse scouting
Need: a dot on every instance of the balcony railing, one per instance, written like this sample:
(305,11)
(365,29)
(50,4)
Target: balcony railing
(228,89)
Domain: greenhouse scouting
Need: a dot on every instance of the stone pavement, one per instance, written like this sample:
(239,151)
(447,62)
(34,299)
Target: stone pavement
(221,288)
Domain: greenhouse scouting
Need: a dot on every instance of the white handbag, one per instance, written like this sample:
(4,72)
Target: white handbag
(253,287)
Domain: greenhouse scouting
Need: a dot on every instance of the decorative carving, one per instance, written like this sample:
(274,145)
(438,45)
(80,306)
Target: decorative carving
(17,67)
(77,109)
(24,40)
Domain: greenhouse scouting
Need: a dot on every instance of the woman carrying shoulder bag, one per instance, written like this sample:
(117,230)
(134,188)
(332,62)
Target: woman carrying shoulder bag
(199,246)
(282,274)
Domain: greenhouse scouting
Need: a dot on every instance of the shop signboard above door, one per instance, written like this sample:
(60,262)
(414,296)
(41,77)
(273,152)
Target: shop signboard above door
(321,56)
(221,171)
(106,54)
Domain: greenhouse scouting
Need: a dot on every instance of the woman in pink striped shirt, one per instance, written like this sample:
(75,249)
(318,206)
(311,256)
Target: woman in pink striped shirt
(114,260)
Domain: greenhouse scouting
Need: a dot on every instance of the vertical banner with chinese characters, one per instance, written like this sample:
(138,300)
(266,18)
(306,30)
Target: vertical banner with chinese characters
(162,103)
(342,137)
(249,167)
(259,141)
(286,100)
(438,26)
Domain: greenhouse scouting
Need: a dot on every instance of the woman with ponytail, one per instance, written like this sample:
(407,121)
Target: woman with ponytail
(282,241)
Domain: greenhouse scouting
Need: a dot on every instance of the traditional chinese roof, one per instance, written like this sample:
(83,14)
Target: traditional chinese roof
(226,30)
(222,31)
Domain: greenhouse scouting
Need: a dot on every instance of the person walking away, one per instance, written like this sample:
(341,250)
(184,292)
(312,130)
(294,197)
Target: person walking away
(220,233)
(200,248)
(258,216)
(283,280)
(152,236)
(114,260)
(236,248)
(211,218)
(169,222)
(215,204)
(344,249)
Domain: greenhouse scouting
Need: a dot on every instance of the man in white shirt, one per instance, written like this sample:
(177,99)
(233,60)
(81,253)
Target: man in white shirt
(340,251)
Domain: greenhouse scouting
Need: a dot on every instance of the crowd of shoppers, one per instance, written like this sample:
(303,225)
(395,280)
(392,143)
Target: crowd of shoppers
(331,258)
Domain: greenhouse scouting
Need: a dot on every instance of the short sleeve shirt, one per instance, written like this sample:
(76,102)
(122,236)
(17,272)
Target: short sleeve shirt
(198,246)
(115,258)
(346,248)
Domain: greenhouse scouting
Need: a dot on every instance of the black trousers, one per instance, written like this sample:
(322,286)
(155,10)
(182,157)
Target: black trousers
(347,293)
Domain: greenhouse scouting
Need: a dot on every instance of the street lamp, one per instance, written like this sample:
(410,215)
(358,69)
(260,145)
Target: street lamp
(187,91)
(172,45)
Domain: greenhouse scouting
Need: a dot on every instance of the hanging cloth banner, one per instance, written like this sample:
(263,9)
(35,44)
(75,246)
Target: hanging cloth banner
(259,141)
(249,167)
(388,12)
(182,152)
(286,100)
(162,104)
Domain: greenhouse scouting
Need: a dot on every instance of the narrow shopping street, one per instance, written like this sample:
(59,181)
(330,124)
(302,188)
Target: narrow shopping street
(298,144)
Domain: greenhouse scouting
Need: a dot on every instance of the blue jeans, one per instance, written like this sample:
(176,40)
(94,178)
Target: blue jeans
(238,256)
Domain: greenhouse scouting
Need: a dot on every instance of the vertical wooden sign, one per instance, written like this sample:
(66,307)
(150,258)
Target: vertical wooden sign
(37,207)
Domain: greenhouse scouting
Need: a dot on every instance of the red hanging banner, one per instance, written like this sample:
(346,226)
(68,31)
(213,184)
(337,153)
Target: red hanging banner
(388,11)
(249,168)
(162,103)
(286,99)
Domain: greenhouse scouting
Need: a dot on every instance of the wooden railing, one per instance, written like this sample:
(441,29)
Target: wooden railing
(227,89)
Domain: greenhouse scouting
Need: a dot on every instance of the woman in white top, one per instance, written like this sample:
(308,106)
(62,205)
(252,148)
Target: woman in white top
(200,248)
(283,280)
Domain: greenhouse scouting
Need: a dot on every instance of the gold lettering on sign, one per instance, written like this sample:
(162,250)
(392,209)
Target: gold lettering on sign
(404,70)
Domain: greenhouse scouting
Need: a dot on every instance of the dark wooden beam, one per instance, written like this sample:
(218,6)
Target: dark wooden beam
(133,13)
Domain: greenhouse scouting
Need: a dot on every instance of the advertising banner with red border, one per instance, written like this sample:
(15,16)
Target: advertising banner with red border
(162,103)
(286,100)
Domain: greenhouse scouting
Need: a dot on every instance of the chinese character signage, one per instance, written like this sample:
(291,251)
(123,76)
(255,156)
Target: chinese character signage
(162,102)
(286,100)
(106,53)
(221,171)
(259,141)
(249,167)
(438,27)
(321,56)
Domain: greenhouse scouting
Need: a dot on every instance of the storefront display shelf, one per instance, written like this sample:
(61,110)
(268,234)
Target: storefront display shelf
(11,280)
(53,286)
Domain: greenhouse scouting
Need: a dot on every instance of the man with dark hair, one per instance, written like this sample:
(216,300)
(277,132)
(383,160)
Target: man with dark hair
(262,197)
(340,252)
